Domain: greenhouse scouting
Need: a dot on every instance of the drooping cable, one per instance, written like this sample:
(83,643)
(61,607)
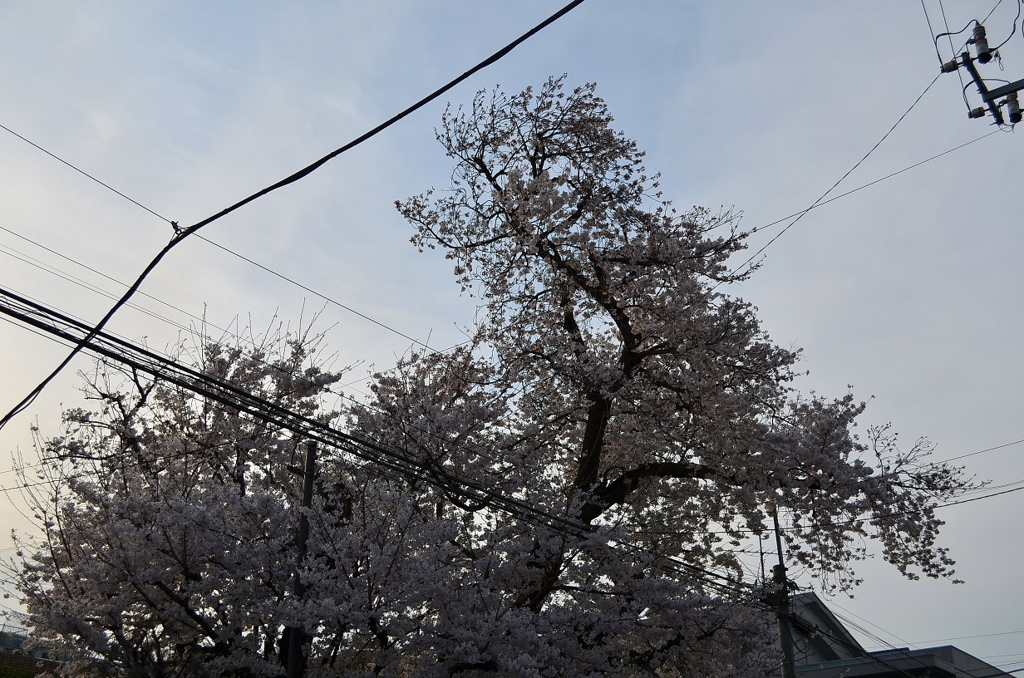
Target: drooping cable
(824,195)
(181,234)
(376,453)
(1013,32)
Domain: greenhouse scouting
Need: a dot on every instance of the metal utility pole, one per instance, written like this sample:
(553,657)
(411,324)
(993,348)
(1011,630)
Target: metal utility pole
(296,635)
(989,97)
(780,598)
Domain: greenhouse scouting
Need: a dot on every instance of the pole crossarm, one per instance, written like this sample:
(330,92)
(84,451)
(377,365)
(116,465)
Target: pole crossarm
(989,96)
(1004,90)
(979,82)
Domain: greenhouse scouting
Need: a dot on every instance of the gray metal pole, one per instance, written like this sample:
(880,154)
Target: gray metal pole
(296,635)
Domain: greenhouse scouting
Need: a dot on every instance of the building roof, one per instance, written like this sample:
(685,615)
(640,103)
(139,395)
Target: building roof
(824,648)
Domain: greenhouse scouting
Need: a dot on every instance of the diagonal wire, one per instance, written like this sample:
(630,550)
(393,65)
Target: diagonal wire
(182,233)
(822,203)
(81,171)
(824,195)
(319,294)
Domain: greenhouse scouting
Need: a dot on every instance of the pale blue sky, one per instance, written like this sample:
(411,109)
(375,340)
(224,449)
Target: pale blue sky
(909,291)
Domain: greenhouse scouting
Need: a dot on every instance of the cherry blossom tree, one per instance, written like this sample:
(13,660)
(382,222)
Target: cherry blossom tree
(168,531)
(161,513)
(610,387)
(611,379)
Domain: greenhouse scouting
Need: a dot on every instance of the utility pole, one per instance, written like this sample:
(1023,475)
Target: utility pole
(990,97)
(780,597)
(296,634)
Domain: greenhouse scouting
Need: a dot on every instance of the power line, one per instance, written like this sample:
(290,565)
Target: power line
(987,449)
(332,301)
(227,394)
(64,275)
(280,416)
(913,654)
(953,49)
(338,394)
(181,234)
(894,514)
(877,639)
(263,267)
(31,261)
(319,294)
(376,453)
(735,271)
(328,299)
(98,272)
(984,496)
(83,172)
(994,7)
(816,203)
(872,183)
(854,648)
(1013,32)
(904,654)
(383,325)
(979,635)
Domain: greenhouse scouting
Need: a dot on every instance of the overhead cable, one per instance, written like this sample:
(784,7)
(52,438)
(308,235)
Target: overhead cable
(107,346)
(800,215)
(181,233)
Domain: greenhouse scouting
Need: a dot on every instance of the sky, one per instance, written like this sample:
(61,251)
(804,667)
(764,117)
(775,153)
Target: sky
(906,293)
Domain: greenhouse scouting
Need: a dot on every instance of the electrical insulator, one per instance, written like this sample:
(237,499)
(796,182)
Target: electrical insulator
(978,112)
(981,44)
(950,66)
(1012,108)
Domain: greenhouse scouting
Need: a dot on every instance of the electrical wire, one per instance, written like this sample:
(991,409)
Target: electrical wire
(852,647)
(232,396)
(397,332)
(986,496)
(103,275)
(709,578)
(329,300)
(912,654)
(7,490)
(818,203)
(893,514)
(83,172)
(870,634)
(979,635)
(1012,32)
(994,8)
(949,35)
(931,32)
(31,261)
(372,452)
(935,44)
(872,183)
(223,331)
(342,395)
(181,234)
(987,449)
(202,321)
(824,195)
(321,295)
